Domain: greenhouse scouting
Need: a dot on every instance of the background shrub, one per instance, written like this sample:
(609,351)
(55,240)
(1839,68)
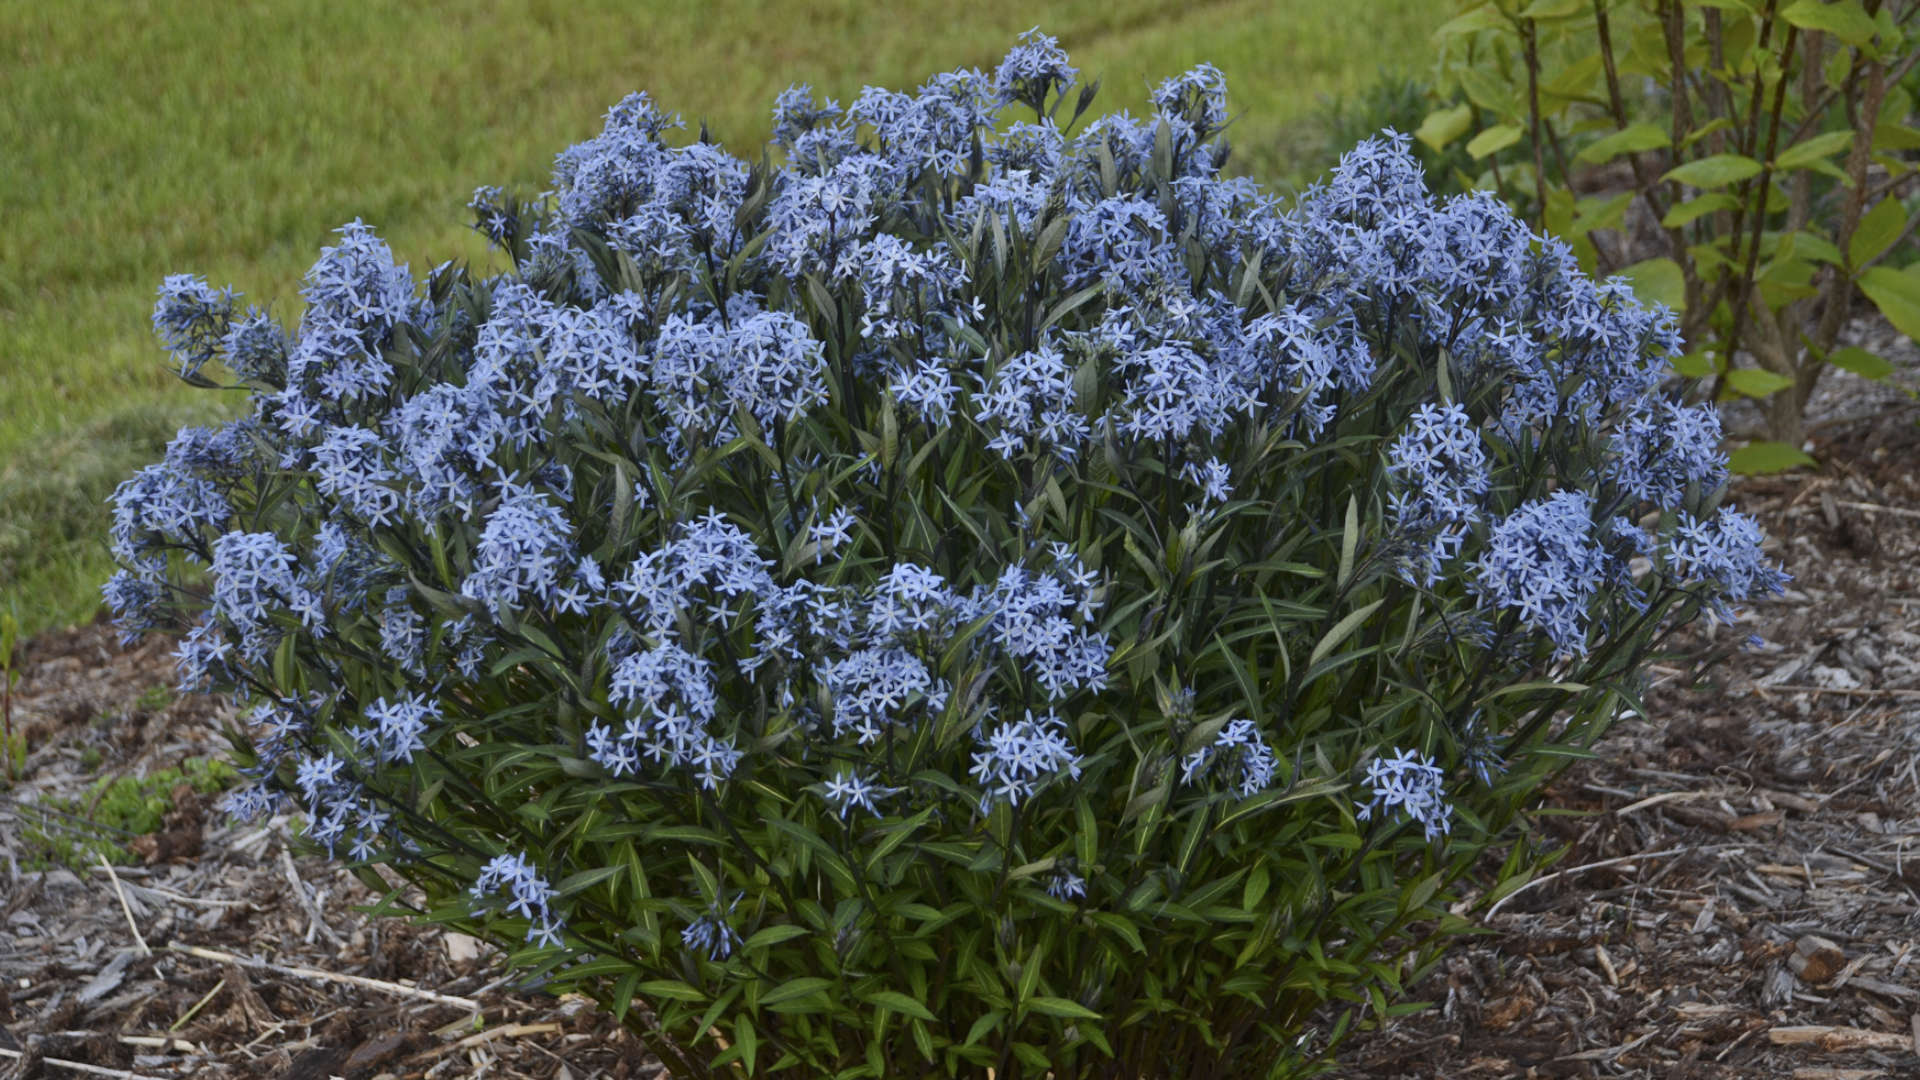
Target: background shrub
(964,596)
(1763,153)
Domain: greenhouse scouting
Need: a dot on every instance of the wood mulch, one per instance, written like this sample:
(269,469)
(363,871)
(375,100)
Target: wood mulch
(1739,895)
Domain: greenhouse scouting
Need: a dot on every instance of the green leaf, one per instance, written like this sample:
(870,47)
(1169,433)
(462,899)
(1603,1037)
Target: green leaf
(796,988)
(1758,459)
(897,1002)
(1349,544)
(1340,632)
(1553,9)
(1754,382)
(1816,149)
(1493,140)
(1687,212)
(1660,281)
(1629,140)
(1897,295)
(670,989)
(774,935)
(1443,126)
(1846,20)
(1877,231)
(1057,1006)
(1696,365)
(1861,362)
(1716,170)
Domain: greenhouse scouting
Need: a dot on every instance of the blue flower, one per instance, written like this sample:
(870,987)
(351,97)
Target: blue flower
(1440,475)
(1409,781)
(192,320)
(1032,70)
(514,879)
(1016,758)
(1542,563)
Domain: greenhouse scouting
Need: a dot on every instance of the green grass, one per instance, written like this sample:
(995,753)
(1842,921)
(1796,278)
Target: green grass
(147,138)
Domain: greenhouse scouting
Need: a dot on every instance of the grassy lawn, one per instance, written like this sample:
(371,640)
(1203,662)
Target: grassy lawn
(146,138)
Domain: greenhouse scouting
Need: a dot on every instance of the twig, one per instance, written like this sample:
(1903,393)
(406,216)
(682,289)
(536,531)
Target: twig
(504,1031)
(180,898)
(1665,797)
(122,894)
(328,976)
(1876,508)
(198,1005)
(1851,691)
(1839,1038)
(306,901)
(1495,909)
(81,1066)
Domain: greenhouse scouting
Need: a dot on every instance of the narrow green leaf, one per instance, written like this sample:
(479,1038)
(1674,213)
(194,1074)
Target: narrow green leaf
(774,935)
(897,1002)
(1340,632)
(1058,1006)
(669,990)
(1349,544)
(796,988)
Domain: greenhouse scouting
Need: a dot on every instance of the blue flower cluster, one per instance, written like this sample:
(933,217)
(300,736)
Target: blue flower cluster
(516,881)
(1238,743)
(1409,782)
(1440,473)
(1543,565)
(1015,759)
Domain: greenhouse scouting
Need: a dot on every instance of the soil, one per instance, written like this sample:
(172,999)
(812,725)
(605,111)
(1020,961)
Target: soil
(1739,894)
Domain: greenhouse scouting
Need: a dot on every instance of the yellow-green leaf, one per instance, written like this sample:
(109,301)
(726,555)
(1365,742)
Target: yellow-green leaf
(1625,141)
(1660,281)
(1805,154)
(1861,362)
(1758,459)
(1553,9)
(1897,295)
(1493,140)
(1877,231)
(1754,382)
(1695,365)
(1443,126)
(1715,171)
(1844,19)
(1687,212)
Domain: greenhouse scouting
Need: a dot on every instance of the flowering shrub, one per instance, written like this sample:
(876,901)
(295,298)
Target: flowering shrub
(969,596)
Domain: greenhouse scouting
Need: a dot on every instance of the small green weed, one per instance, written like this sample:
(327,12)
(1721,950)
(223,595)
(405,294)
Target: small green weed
(79,832)
(155,699)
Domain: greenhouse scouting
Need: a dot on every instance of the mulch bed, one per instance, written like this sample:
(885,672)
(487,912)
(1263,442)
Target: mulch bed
(1739,896)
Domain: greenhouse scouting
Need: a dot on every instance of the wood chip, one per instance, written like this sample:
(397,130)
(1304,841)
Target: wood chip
(1838,1039)
(1815,959)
